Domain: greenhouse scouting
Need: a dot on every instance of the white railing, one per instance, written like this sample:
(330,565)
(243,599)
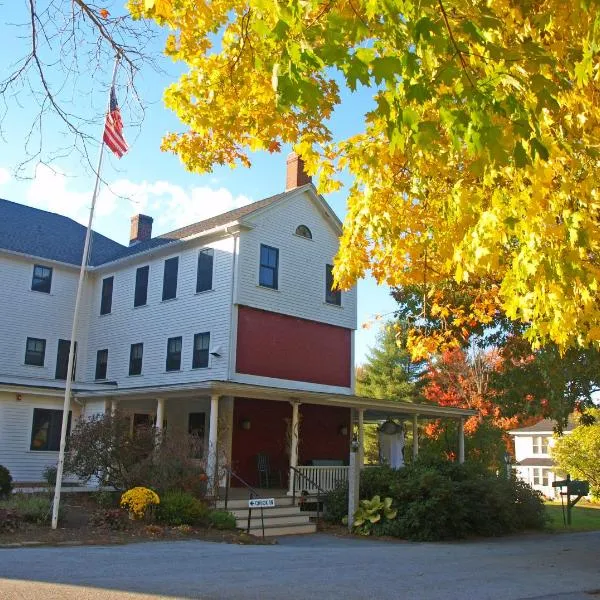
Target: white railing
(327,478)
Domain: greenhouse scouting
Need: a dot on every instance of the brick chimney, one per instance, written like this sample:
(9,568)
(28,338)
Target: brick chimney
(141,229)
(295,174)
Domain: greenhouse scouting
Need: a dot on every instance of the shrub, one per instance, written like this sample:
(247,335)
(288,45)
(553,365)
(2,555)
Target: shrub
(49,474)
(138,500)
(9,520)
(109,518)
(107,499)
(336,504)
(33,508)
(181,508)
(373,511)
(222,519)
(6,485)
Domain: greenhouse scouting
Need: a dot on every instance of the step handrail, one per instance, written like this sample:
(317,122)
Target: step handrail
(253,494)
(320,491)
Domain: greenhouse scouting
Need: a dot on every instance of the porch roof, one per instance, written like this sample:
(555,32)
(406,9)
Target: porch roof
(375,409)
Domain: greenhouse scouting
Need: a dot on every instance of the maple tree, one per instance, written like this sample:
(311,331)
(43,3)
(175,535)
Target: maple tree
(478,161)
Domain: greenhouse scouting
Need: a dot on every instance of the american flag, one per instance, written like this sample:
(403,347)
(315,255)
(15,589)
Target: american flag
(113,128)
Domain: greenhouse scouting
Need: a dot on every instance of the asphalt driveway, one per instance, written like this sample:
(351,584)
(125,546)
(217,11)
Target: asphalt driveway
(315,567)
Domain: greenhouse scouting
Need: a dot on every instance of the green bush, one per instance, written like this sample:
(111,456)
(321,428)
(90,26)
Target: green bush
(49,474)
(336,504)
(181,508)
(222,519)
(33,508)
(6,485)
(106,499)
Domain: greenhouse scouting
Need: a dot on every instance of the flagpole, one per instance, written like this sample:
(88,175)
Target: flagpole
(82,270)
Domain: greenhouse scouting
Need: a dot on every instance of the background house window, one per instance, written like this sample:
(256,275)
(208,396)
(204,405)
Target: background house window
(205,270)
(540,477)
(101,364)
(201,346)
(303,231)
(540,444)
(107,293)
(141,286)
(42,279)
(331,296)
(35,352)
(45,431)
(269,267)
(62,360)
(135,359)
(170,278)
(174,354)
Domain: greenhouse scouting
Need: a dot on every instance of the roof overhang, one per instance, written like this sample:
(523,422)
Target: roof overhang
(374,409)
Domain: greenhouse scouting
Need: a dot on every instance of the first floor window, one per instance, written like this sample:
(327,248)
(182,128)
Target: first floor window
(45,432)
(196,428)
(135,359)
(42,279)
(35,351)
(101,364)
(174,354)
(201,346)
(268,275)
(541,477)
(331,296)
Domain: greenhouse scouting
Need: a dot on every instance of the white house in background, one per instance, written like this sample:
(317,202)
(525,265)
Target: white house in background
(534,463)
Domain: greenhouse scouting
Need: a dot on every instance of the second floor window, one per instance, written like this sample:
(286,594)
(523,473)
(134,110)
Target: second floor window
(141,286)
(107,293)
(35,352)
(136,355)
(331,296)
(205,270)
(540,444)
(268,275)
(173,354)
(42,279)
(101,364)
(201,346)
(170,278)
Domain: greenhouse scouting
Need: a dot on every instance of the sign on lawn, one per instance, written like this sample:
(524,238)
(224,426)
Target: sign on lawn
(261,503)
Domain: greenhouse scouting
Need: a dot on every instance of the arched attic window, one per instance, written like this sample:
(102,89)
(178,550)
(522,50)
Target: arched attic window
(303,231)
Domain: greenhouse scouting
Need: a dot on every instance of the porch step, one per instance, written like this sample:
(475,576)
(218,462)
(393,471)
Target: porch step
(233,505)
(289,530)
(278,511)
(287,521)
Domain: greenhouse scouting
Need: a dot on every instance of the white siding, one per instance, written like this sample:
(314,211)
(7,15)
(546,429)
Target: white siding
(301,290)
(154,323)
(16,419)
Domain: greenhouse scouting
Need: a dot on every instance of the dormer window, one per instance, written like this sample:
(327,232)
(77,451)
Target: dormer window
(304,231)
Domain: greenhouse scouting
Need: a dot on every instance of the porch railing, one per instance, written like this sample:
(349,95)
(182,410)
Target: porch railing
(323,478)
(252,493)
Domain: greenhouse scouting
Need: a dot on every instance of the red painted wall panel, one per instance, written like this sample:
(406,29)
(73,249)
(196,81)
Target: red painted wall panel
(275,345)
(319,436)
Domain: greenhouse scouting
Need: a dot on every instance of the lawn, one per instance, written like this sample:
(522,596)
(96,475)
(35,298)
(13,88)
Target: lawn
(584,517)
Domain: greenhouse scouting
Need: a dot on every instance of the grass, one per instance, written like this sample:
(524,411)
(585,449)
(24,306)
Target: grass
(584,517)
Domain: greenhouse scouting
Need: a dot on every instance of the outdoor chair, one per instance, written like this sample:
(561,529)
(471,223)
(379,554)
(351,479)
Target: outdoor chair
(265,475)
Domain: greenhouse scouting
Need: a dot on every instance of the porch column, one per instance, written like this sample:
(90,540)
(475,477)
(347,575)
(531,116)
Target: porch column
(294,445)
(160,414)
(114,405)
(213,427)
(415,433)
(461,441)
(361,438)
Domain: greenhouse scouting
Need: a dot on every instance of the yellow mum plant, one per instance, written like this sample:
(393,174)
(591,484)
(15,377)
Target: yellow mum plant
(138,499)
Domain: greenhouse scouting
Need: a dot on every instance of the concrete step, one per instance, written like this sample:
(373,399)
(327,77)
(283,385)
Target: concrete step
(281,511)
(255,523)
(289,530)
(235,504)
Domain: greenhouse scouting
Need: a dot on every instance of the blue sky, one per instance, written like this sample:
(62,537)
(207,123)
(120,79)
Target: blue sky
(146,179)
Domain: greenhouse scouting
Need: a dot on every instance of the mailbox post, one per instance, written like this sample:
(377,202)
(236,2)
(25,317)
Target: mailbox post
(575,487)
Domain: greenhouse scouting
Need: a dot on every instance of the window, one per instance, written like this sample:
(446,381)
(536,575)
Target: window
(205,270)
(107,291)
(35,351)
(45,432)
(174,354)
(331,296)
(540,477)
(170,278)
(540,444)
(303,231)
(141,286)
(101,364)
(42,279)
(135,359)
(269,267)
(201,346)
(196,428)
(62,359)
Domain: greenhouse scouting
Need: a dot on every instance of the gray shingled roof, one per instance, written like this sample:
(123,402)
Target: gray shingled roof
(47,235)
(545,425)
(536,462)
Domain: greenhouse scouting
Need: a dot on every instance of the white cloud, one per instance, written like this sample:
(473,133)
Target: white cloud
(4,176)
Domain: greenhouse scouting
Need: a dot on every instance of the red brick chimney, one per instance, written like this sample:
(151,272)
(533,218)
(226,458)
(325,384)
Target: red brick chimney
(141,229)
(295,174)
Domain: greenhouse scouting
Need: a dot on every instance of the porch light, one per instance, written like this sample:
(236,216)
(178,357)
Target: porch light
(245,424)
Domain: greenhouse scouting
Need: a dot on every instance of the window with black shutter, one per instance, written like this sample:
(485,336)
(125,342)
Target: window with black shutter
(46,428)
(107,294)
(331,296)
(62,360)
(35,352)
(201,346)
(204,278)
(141,286)
(170,278)
(269,267)
(135,359)
(42,279)
(101,364)
(174,354)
